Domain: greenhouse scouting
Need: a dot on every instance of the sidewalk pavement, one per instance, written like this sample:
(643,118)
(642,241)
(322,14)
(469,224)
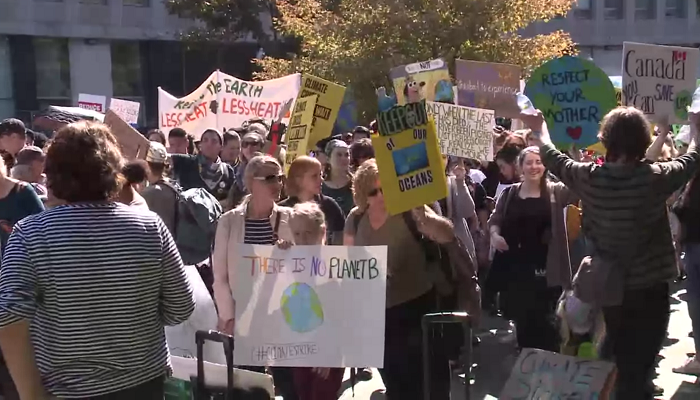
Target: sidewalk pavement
(495,357)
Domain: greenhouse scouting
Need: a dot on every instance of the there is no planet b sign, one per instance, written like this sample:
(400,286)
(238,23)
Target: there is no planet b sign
(574,95)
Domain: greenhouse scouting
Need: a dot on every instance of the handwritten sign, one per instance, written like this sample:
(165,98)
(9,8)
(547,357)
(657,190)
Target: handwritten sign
(298,307)
(127,110)
(330,97)
(540,374)
(463,131)
(92,102)
(408,156)
(427,80)
(133,144)
(659,80)
(297,137)
(574,96)
(224,101)
(488,85)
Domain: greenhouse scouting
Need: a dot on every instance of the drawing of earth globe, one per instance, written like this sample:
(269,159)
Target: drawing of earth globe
(301,308)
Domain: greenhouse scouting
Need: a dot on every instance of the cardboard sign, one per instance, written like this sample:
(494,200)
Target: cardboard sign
(292,306)
(488,86)
(330,97)
(428,80)
(463,131)
(127,110)
(133,144)
(224,101)
(408,156)
(299,131)
(540,374)
(659,80)
(574,95)
(92,102)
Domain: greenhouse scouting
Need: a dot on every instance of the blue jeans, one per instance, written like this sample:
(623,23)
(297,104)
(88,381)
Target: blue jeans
(692,270)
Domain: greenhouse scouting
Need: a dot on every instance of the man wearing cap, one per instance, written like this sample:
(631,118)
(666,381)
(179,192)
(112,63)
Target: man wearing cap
(160,194)
(29,167)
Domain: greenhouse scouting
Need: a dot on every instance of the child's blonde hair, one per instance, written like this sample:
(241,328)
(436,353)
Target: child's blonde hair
(307,214)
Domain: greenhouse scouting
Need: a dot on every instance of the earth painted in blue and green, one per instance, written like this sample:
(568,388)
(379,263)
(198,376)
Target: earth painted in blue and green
(574,95)
(301,308)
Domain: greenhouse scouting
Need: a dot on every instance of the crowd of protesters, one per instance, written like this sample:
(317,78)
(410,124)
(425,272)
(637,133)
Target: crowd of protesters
(91,272)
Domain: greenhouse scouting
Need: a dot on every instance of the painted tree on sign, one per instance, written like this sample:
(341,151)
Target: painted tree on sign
(357,42)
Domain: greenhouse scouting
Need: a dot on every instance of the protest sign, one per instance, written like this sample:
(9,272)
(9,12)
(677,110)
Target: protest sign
(330,97)
(428,80)
(298,133)
(408,156)
(298,307)
(574,95)
(92,102)
(133,144)
(659,80)
(463,131)
(127,110)
(223,102)
(488,85)
(540,374)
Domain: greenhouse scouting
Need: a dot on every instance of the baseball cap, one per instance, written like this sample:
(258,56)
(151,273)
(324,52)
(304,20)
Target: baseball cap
(28,155)
(157,153)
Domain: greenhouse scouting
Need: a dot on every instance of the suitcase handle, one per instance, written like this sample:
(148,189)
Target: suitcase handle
(454,317)
(227,341)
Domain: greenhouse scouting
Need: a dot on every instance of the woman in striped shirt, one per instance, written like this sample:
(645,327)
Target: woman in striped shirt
(87,287)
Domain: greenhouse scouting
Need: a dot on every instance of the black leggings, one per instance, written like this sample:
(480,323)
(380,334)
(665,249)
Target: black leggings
(532,308)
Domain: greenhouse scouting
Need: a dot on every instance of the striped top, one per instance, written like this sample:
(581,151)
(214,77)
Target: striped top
(258,231)
(98,283)
(624,210)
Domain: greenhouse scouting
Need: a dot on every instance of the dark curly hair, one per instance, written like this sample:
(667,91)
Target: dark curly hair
(135,171)
(84,163)
(626,134)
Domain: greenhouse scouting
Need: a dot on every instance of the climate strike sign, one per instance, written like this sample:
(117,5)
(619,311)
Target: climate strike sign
(299,307)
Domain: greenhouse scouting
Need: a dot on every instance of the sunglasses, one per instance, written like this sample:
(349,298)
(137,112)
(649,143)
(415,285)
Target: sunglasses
(270,178)
(248,143)
(375,192)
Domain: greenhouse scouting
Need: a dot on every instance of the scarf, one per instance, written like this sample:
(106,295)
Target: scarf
(211,172)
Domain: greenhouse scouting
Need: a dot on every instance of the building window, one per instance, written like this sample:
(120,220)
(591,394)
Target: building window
(127,79)
(52,71)
(583,9)
(7,102)
(96,2)
(645,9)
(614,9)
(137,3)
(676,8)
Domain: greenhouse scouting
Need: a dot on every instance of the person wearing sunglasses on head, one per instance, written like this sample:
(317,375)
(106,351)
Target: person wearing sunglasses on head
(252,142)
(257,220)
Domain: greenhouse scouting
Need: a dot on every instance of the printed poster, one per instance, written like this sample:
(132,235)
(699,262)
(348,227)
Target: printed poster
(330,97)
(659,80)
(428,80)
(463,131)
(490,86)
(539,374)
(299,307)
(297,137)
(574,95)
(408,155)
(127,110)
(92,102)
(223,101)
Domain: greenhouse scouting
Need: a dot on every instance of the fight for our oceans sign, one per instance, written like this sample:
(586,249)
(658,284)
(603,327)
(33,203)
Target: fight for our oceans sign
(659,80)
(574,95)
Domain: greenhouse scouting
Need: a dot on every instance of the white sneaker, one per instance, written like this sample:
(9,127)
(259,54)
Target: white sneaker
(691,367)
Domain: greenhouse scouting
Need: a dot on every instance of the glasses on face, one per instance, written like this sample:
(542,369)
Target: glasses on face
(253,143)
(270,178)
(375,192)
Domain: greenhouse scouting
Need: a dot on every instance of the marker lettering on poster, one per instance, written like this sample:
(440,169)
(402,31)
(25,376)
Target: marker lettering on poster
(463,131)
(282,352)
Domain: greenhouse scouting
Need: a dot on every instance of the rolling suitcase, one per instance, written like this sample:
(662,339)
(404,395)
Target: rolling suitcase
(241,385)
(441,318)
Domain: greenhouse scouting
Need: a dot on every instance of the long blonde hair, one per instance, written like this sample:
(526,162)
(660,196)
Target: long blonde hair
(363,182)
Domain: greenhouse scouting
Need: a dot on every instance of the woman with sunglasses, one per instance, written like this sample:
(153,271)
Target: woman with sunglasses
(205,170)
(257,220)
(252,142)
(410,291)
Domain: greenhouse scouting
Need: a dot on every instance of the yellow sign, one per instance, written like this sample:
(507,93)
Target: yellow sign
(428,80)
(411,168)
(330,97)
(299,131)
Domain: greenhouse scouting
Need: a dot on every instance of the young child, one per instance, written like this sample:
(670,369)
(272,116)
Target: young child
(308,226)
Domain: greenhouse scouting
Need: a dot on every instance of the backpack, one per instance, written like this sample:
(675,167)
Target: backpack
(196,214)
